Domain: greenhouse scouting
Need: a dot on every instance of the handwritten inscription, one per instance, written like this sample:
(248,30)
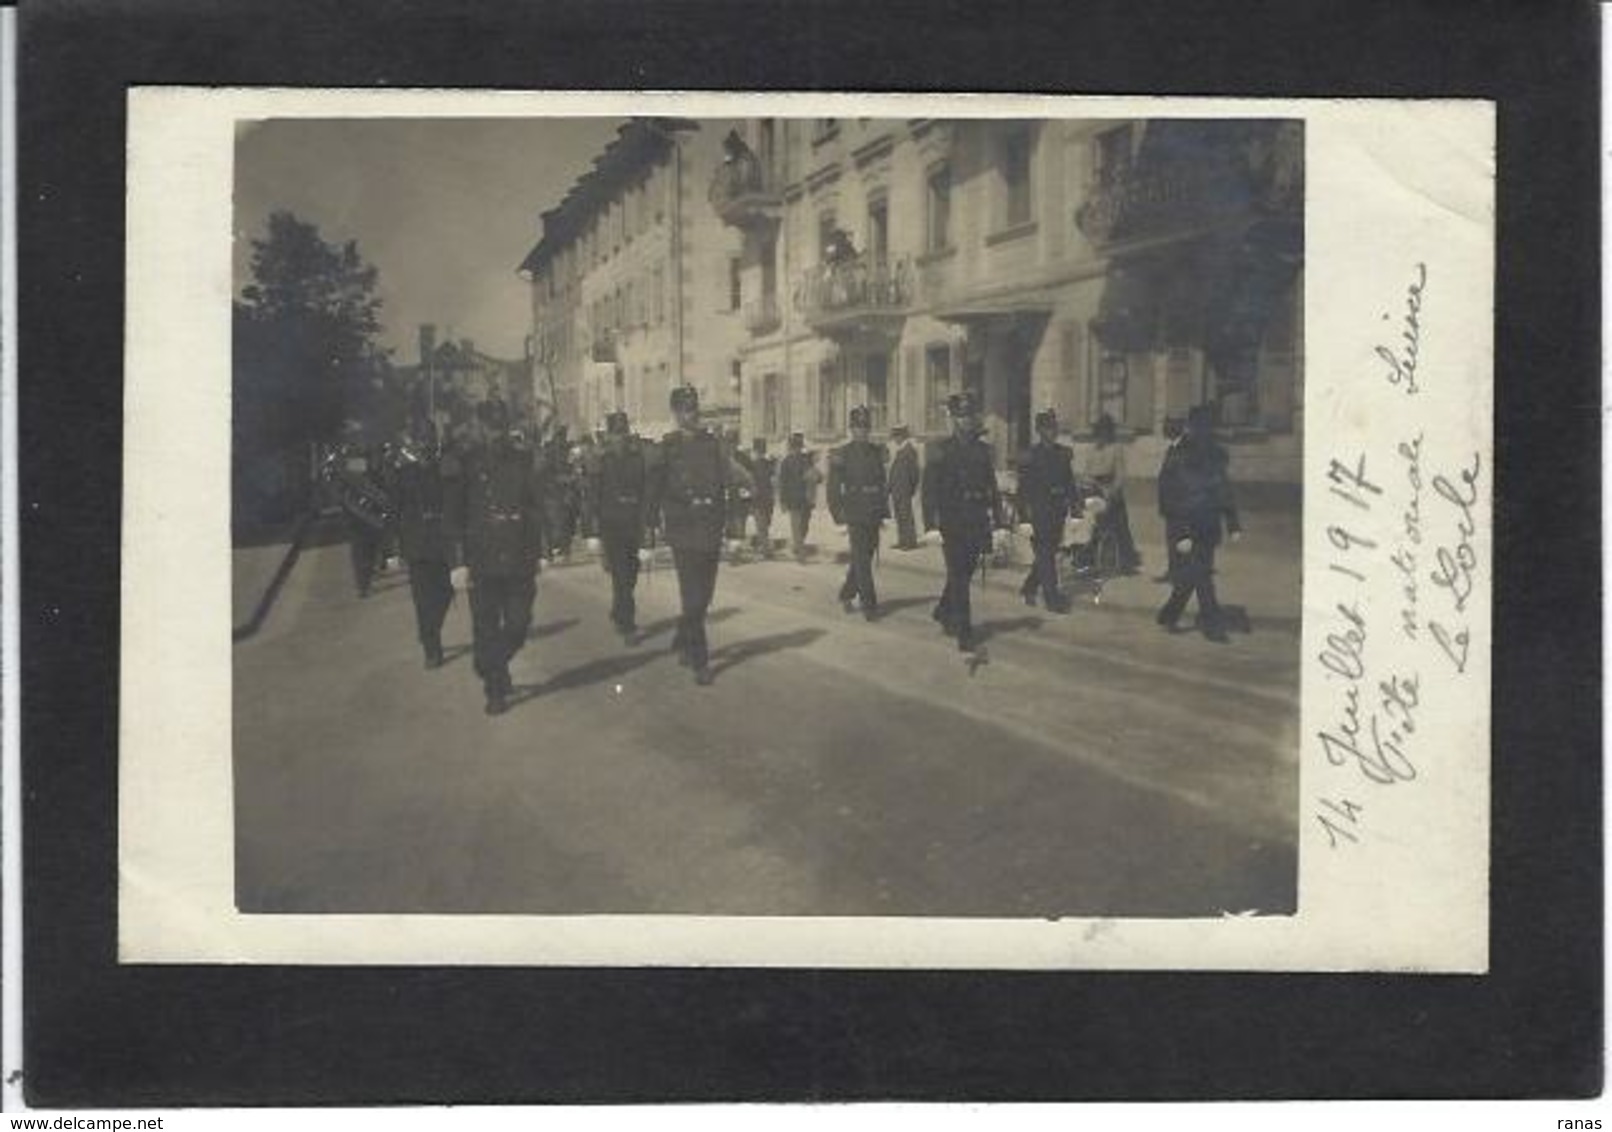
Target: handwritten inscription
(1403,360)
(1403,547)
(1456,564)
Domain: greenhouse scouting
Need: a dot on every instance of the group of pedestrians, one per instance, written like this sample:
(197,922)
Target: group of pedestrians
(480,508)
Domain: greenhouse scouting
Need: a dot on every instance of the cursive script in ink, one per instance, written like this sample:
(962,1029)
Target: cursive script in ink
(1401,361)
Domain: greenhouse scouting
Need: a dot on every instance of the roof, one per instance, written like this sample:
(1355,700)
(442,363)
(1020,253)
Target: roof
(638,144)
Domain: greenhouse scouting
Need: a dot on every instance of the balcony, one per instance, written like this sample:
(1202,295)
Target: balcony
(855,296)
(761,316)
(744,194)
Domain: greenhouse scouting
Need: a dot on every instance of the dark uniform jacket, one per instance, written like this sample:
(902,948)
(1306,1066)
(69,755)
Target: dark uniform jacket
(1046,482)
(960,496)
(1195,492)
(793,490)
(690,479)
(619,487)
(762,470)
(423,485)
(904,472)
(856,483)
(500,509)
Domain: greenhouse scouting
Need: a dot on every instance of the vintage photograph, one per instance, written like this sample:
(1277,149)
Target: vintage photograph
(768,516)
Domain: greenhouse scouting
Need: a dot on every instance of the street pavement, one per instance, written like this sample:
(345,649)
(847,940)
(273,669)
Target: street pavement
(1083,765)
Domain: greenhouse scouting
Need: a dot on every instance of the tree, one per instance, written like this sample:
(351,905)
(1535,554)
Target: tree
(306,360)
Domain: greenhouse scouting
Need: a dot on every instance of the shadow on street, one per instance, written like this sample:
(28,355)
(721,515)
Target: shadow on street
(728,656)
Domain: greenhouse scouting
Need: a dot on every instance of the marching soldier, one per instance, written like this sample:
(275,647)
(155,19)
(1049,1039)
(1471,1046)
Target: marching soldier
(856,500)
(961,500)
(691,477)
(501,504)
(354,474)
(425,477)
(559,501)
(738,502)
(1196,499)
(762,470)
(797,491)
(619,489)
(1046,489)
(904,480)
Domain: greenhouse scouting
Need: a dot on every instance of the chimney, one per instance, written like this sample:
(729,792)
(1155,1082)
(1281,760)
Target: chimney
(428,342)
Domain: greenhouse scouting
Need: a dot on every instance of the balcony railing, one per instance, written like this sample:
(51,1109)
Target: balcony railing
(761,316)
(1155,202)
(743,192)
(854,290)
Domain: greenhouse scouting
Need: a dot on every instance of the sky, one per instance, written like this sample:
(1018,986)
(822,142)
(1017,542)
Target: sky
(446,209)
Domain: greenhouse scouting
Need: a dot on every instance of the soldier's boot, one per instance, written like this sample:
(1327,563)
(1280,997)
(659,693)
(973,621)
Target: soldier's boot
(497,696)
(965,638)
(433,654)
(1170,612)
(1028,590)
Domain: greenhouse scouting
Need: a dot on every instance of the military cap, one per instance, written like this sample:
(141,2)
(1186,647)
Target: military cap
(900,432)
(797,441)
(1046,418)
(616,423)
(861,417)
(962,404)
(685,397)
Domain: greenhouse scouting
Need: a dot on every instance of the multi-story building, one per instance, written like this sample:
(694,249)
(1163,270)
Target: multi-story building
(1128,267)
(635,283)
(450,379)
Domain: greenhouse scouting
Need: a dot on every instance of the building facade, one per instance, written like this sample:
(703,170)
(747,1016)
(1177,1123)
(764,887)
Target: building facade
(634,283)
(1133,268)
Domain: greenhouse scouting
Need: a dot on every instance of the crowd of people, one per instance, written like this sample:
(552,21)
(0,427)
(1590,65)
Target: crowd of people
(492,506)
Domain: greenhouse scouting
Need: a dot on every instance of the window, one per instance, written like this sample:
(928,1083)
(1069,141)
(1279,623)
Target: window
(769,268)
(1016,176)
(660,295)
(620,391)
(1113,379)
(938,234)
(825,234)
(663,386)
(772,420)
(937,385)
(877,374)
(830,396)
(641,199)
(878,248)
(735,283)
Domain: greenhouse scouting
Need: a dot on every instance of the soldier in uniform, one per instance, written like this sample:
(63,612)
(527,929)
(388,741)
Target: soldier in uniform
(501,514)
(738,502)
(1046,490)
(856,499)
(618,488)
(797,491)
(425,477)
(559,500)
(762,469)
(354,474)
(961,500)
(690,481)
(904,478)
(1195,496)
